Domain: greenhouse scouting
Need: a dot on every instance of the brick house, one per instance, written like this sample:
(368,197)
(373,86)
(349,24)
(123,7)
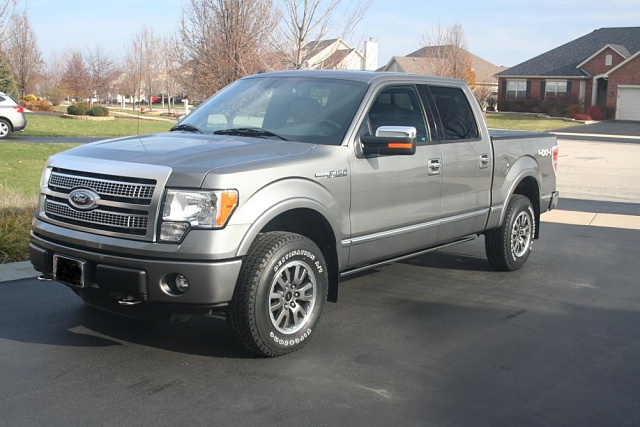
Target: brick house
(601,68)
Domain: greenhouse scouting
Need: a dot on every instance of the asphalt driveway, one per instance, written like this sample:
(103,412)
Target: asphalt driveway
(609,128)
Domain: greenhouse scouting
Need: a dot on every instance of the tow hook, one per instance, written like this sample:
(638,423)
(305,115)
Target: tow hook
(129,301)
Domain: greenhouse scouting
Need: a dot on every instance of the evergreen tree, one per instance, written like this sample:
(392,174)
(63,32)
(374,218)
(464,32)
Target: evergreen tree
(7,81)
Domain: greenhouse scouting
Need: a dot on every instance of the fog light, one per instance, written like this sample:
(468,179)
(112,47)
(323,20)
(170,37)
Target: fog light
(173,231)
(182,284)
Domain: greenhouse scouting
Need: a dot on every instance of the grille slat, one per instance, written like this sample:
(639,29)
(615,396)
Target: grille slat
(126,223)
(130,217)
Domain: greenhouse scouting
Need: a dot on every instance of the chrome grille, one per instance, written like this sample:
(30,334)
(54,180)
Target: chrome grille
(123,206)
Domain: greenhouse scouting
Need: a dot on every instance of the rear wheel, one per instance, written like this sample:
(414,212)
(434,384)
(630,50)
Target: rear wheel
(280,294)
(5,128)
(509,246)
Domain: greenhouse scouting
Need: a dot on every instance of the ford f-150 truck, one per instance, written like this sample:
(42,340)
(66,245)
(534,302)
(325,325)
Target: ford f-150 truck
(254,205)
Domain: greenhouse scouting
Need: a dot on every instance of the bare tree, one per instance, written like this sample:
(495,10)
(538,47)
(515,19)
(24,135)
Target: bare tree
(6,12)
(100,67)
(169,71)
(23,54)
(306,23)
(51,83)
(446,47)
(76,79)
(485,96)
(134,59)
(223,40)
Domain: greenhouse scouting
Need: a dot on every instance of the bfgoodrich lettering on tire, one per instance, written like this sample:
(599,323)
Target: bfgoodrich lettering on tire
(509,246)
(280,294)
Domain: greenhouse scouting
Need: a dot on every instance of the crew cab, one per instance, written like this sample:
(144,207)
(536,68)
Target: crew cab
(255,205)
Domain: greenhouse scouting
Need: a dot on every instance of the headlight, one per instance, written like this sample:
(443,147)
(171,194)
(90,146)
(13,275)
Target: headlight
(44,183)
(183,210)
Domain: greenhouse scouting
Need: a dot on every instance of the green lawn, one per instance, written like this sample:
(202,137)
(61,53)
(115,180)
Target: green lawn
(55,126)
(21,166)
(530,122)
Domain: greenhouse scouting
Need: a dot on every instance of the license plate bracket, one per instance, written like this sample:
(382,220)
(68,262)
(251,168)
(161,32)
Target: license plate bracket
(69,271)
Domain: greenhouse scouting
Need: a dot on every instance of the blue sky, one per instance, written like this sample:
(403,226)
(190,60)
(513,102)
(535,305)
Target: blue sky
(504,32)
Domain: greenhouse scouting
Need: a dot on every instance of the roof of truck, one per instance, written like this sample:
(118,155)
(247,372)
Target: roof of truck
(361,76)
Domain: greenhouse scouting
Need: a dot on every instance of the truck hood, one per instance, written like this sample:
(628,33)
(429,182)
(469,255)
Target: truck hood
(190,156)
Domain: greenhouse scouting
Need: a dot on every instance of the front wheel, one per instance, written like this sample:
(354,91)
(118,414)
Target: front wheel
(280,294)
(509,246)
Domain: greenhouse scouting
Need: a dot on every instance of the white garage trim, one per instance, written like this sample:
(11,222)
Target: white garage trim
(628,103)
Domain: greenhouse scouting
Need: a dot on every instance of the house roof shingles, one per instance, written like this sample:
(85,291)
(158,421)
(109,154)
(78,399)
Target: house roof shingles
(564,60)
(423,61)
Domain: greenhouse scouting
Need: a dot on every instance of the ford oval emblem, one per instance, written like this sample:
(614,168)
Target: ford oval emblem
(83,199)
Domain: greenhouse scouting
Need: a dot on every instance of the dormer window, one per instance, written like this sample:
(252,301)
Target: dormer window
(608,60)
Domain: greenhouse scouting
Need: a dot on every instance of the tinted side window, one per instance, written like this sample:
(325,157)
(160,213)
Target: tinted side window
(398,106)
(456,115)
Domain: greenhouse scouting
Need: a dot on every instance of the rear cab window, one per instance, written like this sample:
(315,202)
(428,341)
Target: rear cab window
(456,116)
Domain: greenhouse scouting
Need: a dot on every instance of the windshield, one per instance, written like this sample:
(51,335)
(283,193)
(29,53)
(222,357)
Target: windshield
(292,108)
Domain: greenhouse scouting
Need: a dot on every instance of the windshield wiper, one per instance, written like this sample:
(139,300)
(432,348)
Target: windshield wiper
(251,132)
(185,127)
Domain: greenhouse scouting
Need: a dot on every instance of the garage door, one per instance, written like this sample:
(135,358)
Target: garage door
(628,105)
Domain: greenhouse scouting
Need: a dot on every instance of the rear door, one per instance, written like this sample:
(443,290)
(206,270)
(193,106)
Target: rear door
(395,200)
(467,163)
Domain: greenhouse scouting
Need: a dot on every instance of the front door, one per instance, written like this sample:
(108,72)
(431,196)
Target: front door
(395,200)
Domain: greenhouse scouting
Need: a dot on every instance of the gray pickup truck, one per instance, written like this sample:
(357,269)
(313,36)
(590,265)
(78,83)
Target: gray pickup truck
(256,204)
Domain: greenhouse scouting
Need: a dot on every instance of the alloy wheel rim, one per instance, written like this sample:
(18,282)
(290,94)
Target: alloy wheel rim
(292,297)
(521,234)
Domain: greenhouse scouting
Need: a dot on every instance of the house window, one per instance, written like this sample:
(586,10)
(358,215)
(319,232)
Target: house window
(555,88)
(516,89)
(608,60)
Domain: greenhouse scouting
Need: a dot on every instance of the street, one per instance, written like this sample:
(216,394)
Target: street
(441,339)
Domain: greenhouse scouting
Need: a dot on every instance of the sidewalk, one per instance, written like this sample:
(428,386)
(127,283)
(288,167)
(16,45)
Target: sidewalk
(16,271)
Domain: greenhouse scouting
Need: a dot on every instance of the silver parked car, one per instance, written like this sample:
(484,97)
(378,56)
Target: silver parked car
(11,115)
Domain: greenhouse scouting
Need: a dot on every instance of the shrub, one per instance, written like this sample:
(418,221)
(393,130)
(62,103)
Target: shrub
(31,98)
(575,108)
(595,112)
(80,109)
(99,112)
(37,105)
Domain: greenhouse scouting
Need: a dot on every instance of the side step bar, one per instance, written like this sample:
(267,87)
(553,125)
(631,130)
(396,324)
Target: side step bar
(407,256)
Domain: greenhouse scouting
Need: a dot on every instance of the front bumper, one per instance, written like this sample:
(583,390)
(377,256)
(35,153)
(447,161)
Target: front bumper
(141,279)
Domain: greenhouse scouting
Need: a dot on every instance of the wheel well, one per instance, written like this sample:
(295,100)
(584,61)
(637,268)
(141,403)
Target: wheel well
(311,224)
(529,187)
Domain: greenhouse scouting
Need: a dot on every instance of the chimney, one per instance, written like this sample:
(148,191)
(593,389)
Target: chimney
(370,55)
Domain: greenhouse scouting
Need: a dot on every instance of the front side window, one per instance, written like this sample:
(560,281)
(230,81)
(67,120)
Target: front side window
(555,88)
(516,89)
(398,106)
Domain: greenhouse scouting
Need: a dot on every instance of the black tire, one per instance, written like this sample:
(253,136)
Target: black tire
(280,294)
(509,246)
(5,128)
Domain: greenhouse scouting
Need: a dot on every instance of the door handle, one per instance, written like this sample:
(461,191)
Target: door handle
(435,166)
(485,161)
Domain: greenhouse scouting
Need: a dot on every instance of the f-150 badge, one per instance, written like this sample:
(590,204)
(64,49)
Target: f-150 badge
(332,174)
